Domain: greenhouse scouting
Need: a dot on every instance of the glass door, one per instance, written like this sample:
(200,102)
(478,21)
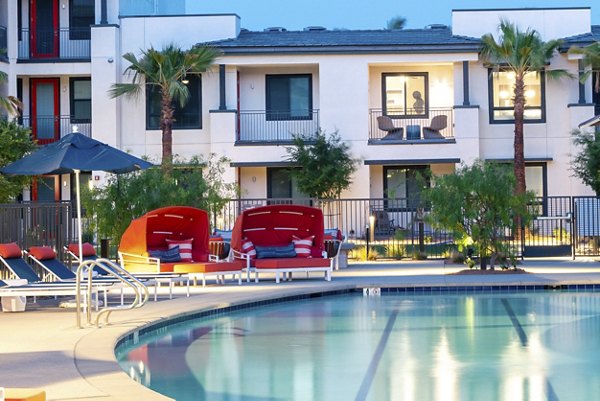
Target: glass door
(44,28)
(45,122)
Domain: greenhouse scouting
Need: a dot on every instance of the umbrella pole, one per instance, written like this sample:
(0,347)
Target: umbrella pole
(78,192)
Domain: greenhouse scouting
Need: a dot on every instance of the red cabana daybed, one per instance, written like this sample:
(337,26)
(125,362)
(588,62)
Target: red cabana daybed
(270,230)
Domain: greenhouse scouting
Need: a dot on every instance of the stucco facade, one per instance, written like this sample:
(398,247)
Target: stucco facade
(344,74)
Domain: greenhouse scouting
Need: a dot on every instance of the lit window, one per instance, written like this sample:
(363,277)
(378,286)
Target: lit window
(502,85)
(405,94)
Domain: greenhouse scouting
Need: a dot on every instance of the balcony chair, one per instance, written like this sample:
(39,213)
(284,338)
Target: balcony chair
(437,124)
(386,124)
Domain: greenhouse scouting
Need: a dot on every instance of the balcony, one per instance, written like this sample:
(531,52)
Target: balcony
(47,129)
(68,44)
(275,127)
(414,128)
(3,44)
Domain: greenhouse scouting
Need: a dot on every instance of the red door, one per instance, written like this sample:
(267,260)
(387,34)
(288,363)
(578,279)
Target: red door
(43,22)
(46,188)
(45,121)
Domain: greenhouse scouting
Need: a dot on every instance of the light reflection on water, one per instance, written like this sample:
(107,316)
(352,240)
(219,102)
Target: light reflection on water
(450,348)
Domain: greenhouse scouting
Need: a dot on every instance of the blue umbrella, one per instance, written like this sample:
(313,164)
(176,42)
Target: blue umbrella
(74,153)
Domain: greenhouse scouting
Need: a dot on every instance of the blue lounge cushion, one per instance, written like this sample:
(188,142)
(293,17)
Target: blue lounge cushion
(225,234)
(269,252)
(167,256)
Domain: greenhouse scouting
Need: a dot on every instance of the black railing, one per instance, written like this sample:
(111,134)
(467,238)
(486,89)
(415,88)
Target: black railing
(50,128)
(276,126)
(415,127)
(388,227)
(54,44)
(3,44)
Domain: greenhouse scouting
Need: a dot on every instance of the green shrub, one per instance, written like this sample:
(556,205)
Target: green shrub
(396,250)
(360,253)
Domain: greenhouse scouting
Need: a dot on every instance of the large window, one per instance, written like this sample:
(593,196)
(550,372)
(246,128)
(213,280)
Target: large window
(187,117)
(281,184)
(289,97)
(81,100)
(404,183)
(501,87)
(81,16)
(405,94)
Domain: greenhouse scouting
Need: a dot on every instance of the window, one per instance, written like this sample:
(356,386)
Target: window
(187,117)
(405,94)
(280,184)
(501,87)
(405,184)
(81,100)
(289,97)
(81,16)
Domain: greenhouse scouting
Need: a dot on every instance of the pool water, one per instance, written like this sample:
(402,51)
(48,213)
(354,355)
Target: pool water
(480,347)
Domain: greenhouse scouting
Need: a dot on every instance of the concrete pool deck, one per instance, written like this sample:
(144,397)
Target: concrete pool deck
(43,348)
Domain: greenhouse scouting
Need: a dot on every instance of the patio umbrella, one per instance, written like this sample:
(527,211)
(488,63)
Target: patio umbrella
(74,153)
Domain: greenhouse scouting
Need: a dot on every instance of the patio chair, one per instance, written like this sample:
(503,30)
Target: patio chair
(384,226)
(437,124)
(387,124)
(89,253)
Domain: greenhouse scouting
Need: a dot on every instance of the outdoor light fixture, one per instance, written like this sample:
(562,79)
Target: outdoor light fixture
(372,228)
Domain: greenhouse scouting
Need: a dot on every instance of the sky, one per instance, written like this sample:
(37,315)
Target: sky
(257,15)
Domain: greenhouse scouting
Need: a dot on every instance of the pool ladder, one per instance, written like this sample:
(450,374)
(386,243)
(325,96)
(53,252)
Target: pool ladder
(85,276)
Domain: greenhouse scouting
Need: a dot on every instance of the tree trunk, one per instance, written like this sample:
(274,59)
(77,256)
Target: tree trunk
(166,125)
(519,156)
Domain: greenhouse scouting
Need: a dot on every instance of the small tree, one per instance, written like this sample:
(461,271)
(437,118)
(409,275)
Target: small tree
(15,142)
(586,164)
(478,203)
(128,196)
(397,22)
(325,164)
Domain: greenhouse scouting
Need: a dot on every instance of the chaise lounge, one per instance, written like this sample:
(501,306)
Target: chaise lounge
(281,239)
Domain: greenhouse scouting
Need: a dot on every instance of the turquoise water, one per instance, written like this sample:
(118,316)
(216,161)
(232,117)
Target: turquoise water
(482,347)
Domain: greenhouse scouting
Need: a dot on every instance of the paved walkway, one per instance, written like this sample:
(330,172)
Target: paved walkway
(43,348)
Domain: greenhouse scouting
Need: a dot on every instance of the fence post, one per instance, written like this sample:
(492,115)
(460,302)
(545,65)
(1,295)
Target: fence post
(104,245)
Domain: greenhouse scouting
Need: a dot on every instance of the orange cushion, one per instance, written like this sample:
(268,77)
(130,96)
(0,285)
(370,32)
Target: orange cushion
(215,238)
(290,262)
(42,252)
(207,267)
(24,394)
(87,249)
(10,250)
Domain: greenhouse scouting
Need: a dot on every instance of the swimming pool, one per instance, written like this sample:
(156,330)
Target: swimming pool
(484,347)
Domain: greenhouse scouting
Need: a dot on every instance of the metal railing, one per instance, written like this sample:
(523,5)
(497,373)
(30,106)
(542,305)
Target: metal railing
(414,127)
(392,228)
(49,128)
(54,44)
(275,126)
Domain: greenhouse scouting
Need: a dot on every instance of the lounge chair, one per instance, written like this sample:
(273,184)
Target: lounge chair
(89,253)
(437,124)
(392,132)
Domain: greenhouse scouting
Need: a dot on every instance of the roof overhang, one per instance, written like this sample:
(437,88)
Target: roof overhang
(592,122)
(411,162)
(262,164)
(527,160)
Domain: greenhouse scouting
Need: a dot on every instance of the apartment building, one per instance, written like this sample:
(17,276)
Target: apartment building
(405,100)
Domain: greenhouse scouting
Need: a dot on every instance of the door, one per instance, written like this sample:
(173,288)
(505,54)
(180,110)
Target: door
(46,189)
(43,23)
(45,121)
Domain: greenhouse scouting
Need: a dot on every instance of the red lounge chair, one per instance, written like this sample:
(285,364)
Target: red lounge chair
(274,226)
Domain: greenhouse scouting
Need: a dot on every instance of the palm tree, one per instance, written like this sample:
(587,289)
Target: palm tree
(165,70)
(396,23)
(591,59)
(11,104)
(522,53)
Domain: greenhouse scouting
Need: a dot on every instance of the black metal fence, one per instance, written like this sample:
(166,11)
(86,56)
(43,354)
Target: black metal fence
(55,44)
(54,127)
(275,126)
(386,228)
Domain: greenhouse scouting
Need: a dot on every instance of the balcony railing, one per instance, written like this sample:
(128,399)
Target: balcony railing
(54,44)
(48,129)
(414,127)
(3,44)
(274,127)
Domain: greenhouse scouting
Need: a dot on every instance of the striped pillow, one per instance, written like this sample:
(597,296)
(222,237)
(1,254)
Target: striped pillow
(248,247)
(185,248)
(303,246)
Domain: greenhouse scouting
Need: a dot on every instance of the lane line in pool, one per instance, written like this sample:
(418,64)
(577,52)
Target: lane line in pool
(515,322)
(370,374)
(550,394)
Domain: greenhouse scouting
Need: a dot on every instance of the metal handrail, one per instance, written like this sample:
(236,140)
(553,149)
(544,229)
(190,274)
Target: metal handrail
(140,290)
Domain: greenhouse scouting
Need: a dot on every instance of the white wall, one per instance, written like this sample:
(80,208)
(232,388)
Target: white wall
(550,23)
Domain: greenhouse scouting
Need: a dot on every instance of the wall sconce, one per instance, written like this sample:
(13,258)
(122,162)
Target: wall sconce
(110,60)
(185,81)
(65,183)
